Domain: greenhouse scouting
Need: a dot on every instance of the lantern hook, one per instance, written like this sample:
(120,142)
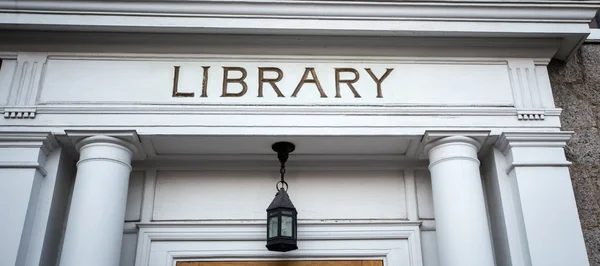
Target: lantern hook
(281,184)
(283,150)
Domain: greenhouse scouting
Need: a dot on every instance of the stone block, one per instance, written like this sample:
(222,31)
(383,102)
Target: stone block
(584,147)
(590,59)
(592,243)
(587,91)
(586,196)
(566,72)
(597,110)
(577,113)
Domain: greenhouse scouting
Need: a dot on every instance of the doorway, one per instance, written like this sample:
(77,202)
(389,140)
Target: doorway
(285,263)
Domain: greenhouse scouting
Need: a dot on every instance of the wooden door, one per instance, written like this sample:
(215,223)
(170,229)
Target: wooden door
(286,263)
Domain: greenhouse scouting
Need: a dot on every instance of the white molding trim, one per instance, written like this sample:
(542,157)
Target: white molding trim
(594,36)
(25,165)
(223,57)
(374,233)
(130,228)
(8,55)
(252,255)
(225,109)
(505,11)
(265,162)
(512,165)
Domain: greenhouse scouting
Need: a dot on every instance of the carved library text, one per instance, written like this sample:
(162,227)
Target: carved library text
(270,76)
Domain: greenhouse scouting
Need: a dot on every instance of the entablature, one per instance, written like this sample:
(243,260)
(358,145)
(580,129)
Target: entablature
(565,21)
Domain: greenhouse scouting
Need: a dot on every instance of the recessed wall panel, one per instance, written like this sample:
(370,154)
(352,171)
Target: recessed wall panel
(134,196)
(7,71)
(202,195)
(424,194)
(259,80)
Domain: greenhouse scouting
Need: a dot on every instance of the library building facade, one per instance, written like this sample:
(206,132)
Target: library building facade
(296,133)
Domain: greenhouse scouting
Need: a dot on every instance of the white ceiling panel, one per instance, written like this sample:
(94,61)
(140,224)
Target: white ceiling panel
(219,145)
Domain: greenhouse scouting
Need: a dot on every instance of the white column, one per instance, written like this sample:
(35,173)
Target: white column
(462,229)
(95,223)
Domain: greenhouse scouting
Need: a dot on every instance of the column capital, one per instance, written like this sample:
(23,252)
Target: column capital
(434,138)
(126,138)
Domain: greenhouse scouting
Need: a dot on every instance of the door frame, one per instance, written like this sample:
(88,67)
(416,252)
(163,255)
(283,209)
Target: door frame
(393,241)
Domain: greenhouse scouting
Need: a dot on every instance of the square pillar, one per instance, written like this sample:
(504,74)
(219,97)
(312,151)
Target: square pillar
(545,225)
(22,169)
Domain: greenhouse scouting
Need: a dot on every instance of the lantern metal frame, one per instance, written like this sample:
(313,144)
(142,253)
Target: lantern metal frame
(282,207)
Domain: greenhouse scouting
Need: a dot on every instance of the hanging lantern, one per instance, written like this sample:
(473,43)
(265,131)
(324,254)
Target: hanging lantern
(281,214)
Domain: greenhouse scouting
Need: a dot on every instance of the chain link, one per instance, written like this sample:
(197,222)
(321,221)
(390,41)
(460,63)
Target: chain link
(282,172)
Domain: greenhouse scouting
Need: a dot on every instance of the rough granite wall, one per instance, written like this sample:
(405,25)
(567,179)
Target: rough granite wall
(576,88)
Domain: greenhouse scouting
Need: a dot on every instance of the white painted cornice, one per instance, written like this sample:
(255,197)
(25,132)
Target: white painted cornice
(563,20)
(21,145)
(508,140)
(404,10)
(43,140)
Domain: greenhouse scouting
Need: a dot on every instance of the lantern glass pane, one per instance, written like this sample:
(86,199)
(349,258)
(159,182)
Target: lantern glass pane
(273,226)
(286,226)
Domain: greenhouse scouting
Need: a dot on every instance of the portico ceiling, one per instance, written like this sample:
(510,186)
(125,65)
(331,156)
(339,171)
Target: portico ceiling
(305,145)
(254,152)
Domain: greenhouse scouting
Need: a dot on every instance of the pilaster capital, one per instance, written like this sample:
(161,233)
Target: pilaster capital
(508,140)
(534,149)
(45,141)
(128,139)
(26,149)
